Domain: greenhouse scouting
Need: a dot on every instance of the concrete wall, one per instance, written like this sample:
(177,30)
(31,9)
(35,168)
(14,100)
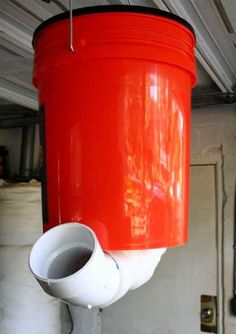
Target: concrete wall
(11,138)
(215,129)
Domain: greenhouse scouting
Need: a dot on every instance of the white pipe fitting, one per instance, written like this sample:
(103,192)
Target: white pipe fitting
(69,264)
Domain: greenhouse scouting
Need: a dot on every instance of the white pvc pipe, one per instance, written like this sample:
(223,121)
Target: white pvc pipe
(69,264)
(85,321)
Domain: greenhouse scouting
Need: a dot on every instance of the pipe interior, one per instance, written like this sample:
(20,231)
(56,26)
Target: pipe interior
(68,262)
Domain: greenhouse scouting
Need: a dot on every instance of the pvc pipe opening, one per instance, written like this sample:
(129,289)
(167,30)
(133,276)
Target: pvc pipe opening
(62,252)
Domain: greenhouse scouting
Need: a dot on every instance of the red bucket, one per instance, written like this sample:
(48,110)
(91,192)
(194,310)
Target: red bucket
(115,123)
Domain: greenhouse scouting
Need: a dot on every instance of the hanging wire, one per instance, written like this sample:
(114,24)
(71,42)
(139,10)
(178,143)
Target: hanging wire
(71,27)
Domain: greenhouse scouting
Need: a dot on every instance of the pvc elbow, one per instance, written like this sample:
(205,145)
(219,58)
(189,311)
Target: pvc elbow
(69,264)
(135,269)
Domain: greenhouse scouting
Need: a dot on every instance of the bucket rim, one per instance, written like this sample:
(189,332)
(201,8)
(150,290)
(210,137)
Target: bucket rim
(112,9)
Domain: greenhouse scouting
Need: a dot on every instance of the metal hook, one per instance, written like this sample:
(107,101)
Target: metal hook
(71,27)
(129,1)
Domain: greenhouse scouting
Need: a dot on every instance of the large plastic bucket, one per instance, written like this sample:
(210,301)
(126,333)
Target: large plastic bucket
(115,123)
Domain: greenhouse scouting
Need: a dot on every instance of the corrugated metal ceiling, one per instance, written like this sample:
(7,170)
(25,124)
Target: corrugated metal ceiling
(214,22)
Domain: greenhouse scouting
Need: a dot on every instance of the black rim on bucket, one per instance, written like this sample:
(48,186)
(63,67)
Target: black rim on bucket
(112,9)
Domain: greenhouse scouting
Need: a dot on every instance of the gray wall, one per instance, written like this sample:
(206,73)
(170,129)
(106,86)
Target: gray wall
(214,129)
